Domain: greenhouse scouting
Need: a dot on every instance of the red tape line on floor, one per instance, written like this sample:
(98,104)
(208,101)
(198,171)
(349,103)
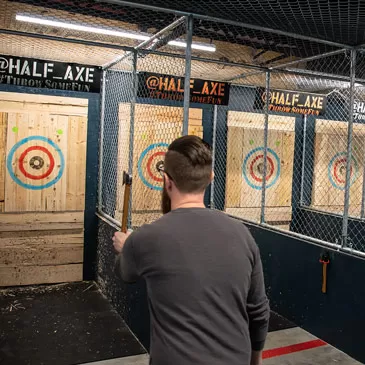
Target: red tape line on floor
(292,348)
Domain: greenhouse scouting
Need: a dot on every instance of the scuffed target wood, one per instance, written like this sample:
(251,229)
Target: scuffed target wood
(155,127)
(245,163)
(329,175)
(42,184)
(45,152)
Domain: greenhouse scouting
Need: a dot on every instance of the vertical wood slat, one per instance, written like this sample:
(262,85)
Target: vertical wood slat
(235,141)
(76,162)
(3,138)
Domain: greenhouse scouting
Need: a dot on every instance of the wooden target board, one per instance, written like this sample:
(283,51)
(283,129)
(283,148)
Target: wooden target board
(45,153)
(329,176)
(245,166)
(155,127)
(42,188)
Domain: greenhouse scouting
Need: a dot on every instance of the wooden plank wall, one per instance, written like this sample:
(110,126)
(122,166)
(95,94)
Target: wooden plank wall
(62,120)
(42,247)
(153,124)
(245,133)
(41,230)
(331,139)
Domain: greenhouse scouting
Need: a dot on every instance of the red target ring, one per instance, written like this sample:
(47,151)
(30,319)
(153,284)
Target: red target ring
(31,176)
(149,169)
(270,172)
(338,162)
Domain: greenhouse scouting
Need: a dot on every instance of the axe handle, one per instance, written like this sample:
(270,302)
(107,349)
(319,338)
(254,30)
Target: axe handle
(125,207)
(324,278)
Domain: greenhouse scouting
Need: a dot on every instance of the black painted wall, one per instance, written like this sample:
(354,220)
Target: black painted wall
(90,221)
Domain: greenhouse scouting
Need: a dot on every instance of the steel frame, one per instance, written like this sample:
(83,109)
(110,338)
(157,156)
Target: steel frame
(282,68)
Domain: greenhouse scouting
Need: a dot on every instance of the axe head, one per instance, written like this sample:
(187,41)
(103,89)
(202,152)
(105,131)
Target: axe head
(127,178)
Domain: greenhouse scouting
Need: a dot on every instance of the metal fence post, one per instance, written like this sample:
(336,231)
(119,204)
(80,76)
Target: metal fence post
(266,133)
(349,150)
(363,193)
(189,40)
(101,143)
(131,132)
(215,112)
(301,202)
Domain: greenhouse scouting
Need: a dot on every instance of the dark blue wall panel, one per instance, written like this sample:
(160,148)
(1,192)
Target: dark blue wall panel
(293,277)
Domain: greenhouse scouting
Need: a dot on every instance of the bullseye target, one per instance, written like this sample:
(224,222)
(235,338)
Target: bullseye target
(253,168)
(337,170)
(35,163)
(149,164)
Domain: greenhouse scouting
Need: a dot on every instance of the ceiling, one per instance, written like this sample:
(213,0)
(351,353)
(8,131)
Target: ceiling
(239,44)
(339,21)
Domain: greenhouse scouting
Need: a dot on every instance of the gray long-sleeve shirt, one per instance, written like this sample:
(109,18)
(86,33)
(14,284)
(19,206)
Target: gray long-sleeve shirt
(205,287)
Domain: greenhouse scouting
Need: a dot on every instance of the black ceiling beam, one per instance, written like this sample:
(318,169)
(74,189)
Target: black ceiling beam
(275,59)
(258,54)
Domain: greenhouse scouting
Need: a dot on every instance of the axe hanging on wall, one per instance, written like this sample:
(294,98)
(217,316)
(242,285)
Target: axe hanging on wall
(127,181)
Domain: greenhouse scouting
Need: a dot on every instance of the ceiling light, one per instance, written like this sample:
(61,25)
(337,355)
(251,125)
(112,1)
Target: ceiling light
(80,27)
(202,47)
(107,31)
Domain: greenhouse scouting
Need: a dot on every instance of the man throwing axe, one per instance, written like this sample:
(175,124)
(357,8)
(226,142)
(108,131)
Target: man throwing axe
(202,269)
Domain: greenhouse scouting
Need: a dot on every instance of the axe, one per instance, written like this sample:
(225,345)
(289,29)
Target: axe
(325,260)
(127,181)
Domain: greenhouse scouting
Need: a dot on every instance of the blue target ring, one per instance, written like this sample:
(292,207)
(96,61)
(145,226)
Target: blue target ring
(331,167)
(245,167)
(9,162)
(140,161)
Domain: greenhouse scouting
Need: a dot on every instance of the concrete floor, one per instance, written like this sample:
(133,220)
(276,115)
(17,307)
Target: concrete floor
(38,326)
(322,355)
(282,340)
(132,360)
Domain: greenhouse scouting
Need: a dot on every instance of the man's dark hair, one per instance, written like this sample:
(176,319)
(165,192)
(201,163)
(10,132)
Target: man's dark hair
(188,162)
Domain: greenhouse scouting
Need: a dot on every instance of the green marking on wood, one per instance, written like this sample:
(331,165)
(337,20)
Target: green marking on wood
(277,143)
(15,129)
(251,141)
(59,131)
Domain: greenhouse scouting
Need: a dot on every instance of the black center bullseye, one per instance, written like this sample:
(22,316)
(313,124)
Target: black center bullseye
(260,168)
(342,170)
(159,165)
(36,162)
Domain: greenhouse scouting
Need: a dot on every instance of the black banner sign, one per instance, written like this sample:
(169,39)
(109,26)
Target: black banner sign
(291,102)
(167,87)
(359,110)
(49,74)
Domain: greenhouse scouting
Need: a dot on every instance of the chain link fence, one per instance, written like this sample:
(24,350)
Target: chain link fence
(284,115)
